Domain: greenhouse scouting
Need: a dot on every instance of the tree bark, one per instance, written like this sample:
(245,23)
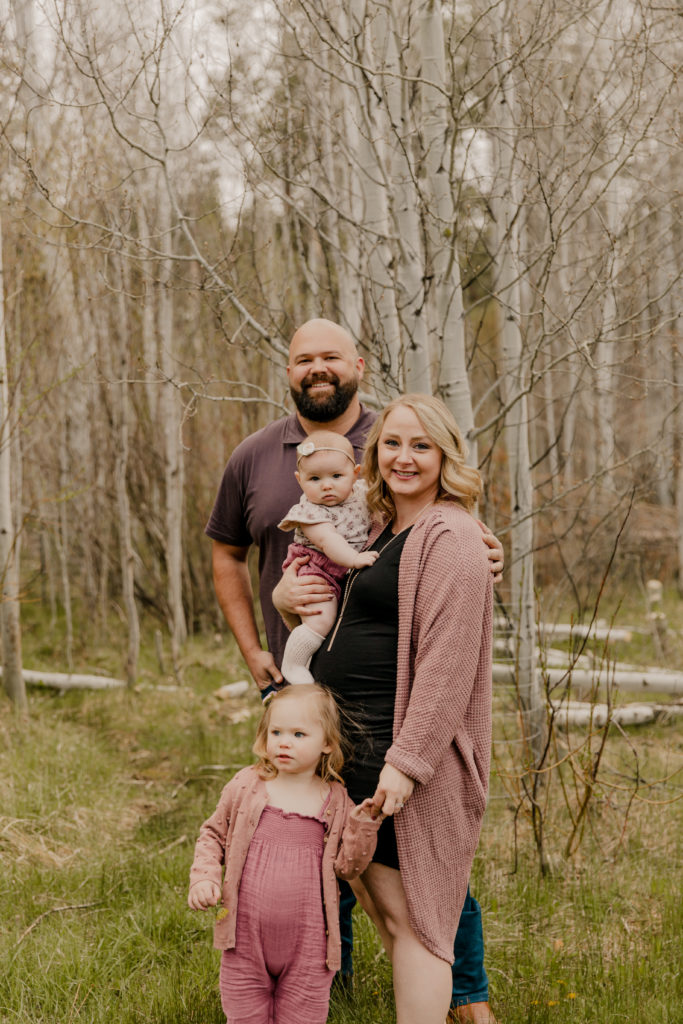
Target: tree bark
(506,207)
(125,526)
(171,419)
(444,308)
(404,202)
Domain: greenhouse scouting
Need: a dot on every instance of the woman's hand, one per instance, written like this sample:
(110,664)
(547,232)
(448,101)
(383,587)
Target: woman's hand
(203,895)
(294,595)
(393,790)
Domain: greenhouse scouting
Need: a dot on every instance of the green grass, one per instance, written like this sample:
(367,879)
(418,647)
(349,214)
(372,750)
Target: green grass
(102,797)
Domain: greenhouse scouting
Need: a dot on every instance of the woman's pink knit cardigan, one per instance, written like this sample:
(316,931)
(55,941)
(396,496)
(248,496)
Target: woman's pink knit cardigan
(442,715)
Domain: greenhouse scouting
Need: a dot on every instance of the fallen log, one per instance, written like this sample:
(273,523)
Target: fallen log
(504,647)
(70,681)
(564,630)
(594,632)
(576,712)
(632,681)
(232,690)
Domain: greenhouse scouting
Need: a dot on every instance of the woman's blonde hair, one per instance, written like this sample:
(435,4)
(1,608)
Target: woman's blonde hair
(328,713)
(458,482)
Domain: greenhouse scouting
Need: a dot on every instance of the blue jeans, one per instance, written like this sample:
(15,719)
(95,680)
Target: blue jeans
(470,983)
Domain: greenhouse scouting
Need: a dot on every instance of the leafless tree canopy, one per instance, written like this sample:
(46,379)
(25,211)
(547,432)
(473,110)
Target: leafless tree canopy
(486,195)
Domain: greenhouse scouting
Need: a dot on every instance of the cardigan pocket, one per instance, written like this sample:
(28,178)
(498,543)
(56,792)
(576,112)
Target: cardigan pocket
(476,787)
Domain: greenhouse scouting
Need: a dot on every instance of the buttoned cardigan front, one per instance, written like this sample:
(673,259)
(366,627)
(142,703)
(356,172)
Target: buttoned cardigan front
(224,839)
(442,714)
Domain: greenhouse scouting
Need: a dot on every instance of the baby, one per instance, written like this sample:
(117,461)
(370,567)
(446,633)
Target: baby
(331,523)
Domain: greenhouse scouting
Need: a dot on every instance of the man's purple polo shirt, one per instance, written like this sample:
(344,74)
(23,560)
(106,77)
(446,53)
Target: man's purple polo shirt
(257,490)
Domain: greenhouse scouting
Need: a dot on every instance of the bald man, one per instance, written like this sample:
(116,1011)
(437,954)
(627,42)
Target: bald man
(257,489)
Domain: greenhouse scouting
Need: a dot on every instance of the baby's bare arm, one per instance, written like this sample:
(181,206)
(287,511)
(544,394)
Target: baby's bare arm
(327,538)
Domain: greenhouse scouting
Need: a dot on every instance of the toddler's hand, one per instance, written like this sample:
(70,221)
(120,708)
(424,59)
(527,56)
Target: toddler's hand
(367,811)
(203,895)
(364,558)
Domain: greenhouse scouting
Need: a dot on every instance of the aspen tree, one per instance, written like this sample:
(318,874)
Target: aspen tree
(12,678)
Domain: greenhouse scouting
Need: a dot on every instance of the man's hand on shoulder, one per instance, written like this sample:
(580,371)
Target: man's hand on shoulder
(495,553)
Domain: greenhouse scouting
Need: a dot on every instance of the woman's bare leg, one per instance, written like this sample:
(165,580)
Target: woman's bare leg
(422,981)
(365,900)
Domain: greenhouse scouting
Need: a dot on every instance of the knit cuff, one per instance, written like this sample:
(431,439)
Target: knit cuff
(358,826)
(409,764)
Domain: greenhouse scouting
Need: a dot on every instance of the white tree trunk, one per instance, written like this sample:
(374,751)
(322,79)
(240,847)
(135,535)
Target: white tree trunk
(398,172)
(125,528)
(675,307)
(148,322)
(340,179)
(605,349)
(506,204)
(372,210)
(64,540)
(12,677)
(170,411)
(445,306)
(663,393)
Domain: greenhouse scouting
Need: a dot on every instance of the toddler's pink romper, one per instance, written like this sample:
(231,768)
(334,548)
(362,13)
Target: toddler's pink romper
(276,973)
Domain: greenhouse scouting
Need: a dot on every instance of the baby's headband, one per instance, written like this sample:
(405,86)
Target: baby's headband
(309,447)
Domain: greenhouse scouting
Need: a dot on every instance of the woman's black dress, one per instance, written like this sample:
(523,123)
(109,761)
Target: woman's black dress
(358,663)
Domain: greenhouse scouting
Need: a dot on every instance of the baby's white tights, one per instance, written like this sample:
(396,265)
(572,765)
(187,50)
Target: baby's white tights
(302,644)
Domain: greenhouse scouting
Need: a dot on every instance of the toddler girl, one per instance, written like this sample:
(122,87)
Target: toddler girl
(283,829)
(331,524)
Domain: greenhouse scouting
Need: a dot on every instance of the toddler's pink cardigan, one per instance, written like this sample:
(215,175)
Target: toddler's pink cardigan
(224,838)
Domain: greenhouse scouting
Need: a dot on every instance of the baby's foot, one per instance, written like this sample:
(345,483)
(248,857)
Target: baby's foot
(297,675)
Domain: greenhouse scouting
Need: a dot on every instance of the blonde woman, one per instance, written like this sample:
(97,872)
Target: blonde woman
(410,658)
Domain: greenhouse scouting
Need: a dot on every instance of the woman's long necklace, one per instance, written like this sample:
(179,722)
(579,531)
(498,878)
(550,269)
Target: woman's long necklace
(350,579)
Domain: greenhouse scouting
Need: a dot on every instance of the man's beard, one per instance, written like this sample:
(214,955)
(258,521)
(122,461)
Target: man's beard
(323,410)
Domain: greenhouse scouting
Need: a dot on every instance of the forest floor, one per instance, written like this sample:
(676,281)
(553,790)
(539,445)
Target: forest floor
(103,794)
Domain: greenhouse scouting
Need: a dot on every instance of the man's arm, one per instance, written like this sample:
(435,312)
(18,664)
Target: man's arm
(233,590)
